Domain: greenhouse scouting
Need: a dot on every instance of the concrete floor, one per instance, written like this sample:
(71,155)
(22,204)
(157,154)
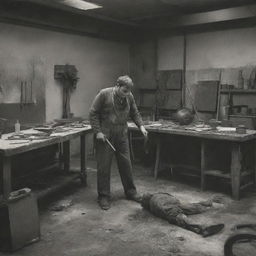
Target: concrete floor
(83,229)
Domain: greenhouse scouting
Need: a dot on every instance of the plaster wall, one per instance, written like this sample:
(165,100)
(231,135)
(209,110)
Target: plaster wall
(98,61)
(170,53)
(222,49)
(209,54)
(219,49)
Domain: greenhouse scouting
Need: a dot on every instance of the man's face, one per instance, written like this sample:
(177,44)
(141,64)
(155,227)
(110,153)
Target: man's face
(123,91)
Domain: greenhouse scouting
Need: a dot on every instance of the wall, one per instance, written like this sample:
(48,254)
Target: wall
(225,49)
(20,64)
(220,49)
(99,62)
(170,53)
(143,63)
(209,52)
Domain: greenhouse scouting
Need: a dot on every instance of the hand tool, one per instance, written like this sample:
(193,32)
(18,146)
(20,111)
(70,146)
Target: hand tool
(109,143)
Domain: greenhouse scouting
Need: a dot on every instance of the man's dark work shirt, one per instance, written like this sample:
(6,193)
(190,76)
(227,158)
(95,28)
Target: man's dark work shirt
(109,111)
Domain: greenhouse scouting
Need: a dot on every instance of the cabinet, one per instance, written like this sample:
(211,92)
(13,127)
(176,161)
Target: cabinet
(242,106)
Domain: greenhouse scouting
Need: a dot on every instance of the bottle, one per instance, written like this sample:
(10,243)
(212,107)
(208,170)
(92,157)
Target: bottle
(240,83)
(17,127)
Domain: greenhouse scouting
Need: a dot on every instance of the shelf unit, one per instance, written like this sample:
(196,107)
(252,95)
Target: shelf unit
(243,116)
(239,116)
(226,175)
(239,91)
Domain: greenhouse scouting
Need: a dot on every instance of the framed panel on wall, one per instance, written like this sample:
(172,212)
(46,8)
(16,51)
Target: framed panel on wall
(174,79)
(206,96)
(143,64)
(170,79)
(173,100)
(148,99)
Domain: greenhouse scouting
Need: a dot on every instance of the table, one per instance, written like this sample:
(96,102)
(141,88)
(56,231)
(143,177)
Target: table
(10,148)
(235,140)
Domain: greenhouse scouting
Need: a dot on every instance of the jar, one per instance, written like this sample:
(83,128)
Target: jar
(241,129)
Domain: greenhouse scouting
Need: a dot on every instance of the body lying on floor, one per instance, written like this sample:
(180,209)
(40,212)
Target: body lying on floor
(168,207)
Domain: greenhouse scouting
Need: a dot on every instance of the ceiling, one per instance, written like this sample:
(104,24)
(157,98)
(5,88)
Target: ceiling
(141,11)
(126,19)
(145,13)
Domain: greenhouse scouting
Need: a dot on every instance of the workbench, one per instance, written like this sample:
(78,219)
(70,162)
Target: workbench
(236,141)
(11,148)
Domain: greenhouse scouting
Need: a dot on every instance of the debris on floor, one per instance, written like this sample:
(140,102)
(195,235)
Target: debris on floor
(78,227)
(61,205)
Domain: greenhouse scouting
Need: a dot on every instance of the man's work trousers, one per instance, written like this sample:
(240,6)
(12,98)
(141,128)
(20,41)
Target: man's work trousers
(104,156)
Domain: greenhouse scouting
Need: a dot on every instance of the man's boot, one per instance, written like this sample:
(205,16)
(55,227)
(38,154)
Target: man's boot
(104,203)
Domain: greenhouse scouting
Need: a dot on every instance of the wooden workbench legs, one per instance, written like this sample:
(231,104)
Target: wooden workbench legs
(235,167)
(83,160)
(66,155)
(203,164)
(158,149)
(66,158)
(7,183)
(236,170)
(254,163)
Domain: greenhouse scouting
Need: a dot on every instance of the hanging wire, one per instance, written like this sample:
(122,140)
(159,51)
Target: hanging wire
(192,102)
(218,102)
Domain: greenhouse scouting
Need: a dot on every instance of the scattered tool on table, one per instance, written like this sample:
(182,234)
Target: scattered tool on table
(20,142)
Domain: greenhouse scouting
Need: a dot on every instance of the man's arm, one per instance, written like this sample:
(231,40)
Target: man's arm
(95,112)
(136,117)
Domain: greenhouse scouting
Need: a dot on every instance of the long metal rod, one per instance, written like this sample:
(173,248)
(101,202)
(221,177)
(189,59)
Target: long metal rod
(183,98)
(192,102)
(218,99)
(109,143)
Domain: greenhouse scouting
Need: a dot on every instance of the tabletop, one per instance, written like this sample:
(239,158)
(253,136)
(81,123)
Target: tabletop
(11,143)
(200,131)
